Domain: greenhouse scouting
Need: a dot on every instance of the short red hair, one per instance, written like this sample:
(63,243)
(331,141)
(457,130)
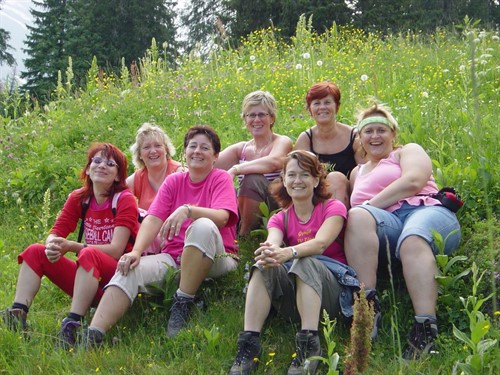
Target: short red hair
(321,90)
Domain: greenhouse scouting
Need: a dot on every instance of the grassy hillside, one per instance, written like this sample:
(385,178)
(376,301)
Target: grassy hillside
(443,89)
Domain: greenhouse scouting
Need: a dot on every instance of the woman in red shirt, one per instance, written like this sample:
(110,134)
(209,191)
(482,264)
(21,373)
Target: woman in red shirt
(108,233)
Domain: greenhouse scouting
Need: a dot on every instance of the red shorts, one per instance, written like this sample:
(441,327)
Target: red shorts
(63,272)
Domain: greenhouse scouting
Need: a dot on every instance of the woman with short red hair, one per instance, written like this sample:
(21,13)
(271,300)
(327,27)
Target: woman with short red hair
(334,143)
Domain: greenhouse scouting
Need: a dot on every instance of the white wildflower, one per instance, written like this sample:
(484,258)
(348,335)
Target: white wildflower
(425,94)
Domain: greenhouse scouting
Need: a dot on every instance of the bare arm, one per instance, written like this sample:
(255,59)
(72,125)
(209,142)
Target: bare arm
(130,182)
(303,142)
(416,169)
(270,163)
(229,156)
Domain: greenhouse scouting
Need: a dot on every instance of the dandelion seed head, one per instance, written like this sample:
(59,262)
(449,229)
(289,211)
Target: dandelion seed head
(364,77)
(298,66)
(319,63)
(306,55)
(252,58)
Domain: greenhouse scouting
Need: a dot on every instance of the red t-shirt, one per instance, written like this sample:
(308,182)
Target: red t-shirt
(99,220)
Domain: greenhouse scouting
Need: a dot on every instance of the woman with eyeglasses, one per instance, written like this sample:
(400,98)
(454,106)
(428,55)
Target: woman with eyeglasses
(297,266)
(258,161)
(152,157)
(197,211)
(335,144)
(108,232)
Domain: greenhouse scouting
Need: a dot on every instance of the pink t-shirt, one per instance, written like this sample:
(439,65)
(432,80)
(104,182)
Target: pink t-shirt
(143,189)
(99,220)
(367,185)
(296,232)
(215,191)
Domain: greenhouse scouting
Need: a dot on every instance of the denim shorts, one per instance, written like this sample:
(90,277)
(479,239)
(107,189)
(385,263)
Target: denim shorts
(421,221)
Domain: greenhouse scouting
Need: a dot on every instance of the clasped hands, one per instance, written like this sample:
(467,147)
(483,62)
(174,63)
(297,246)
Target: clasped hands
(270,255)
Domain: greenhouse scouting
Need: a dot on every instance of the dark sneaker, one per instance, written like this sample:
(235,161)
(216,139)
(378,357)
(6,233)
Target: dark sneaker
(247,358)
(372,299)
(91,339)
(179,314)
(15,319)
(67,334)
(307,346)
(421,339)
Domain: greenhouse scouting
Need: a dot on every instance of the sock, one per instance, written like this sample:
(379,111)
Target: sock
(75,317)
(423,318)
(306,331)
(253,333)
(97,330)
(22,306)
(184,295)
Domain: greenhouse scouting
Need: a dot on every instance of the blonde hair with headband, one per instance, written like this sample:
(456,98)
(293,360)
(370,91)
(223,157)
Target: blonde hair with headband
(376,114)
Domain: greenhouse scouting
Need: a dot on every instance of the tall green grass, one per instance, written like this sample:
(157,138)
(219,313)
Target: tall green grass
(443,89)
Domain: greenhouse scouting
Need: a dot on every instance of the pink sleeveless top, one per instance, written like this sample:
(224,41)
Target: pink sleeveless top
(367,185)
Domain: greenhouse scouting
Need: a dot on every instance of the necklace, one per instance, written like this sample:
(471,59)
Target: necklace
(258,152)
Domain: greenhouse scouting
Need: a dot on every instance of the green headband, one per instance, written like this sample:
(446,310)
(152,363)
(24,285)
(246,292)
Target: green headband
(375,120)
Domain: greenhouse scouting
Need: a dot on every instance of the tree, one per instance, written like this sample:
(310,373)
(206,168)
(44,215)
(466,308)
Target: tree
(203,24)
(116,29)
(5,55)
(46,46)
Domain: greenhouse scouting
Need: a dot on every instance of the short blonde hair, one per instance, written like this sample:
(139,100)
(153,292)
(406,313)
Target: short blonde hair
(259,97)
(146,131)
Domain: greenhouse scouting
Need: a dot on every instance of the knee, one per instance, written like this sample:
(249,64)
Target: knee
(414,249)
(337,180)
(88,254)
(201,228)
(359,222)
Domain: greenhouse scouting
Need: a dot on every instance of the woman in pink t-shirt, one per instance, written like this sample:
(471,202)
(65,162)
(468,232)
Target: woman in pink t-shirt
(394,211)
(152,157)
(294,278)
(107,231)
(198,212)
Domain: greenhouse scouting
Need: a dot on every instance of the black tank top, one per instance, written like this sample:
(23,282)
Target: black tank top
(342,161)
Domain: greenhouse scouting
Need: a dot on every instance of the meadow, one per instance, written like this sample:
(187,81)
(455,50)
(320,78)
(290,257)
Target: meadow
(444,91)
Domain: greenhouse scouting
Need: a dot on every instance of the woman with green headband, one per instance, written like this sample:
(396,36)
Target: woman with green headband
(393,212)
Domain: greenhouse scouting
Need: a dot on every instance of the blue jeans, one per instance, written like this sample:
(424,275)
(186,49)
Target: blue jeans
(394,227)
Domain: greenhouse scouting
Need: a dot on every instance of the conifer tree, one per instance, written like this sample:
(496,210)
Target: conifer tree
(5,55)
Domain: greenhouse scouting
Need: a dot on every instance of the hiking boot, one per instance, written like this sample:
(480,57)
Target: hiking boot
(179,314)
(15,319)
(307,346)
(67,334)
(92,339)
(372,299)
(247,358)
(421,339)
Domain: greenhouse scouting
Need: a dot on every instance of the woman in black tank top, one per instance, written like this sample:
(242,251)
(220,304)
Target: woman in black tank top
(334,143)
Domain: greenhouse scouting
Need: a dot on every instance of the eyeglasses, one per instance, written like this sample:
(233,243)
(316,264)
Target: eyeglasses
(110,163)
(253,116)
